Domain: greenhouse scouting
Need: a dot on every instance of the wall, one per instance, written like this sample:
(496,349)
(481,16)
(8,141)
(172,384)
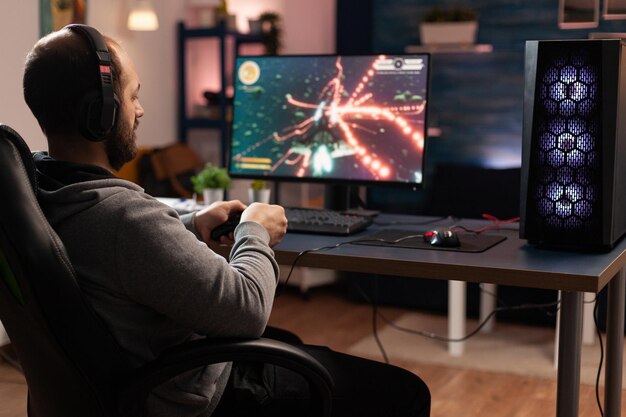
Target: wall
(17,37)
(309,27)
(476,99)
(154,54)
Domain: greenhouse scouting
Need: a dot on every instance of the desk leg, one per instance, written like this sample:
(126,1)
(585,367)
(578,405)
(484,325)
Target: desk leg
(614,346)
(570,346)
(488,295)
(456,316)
(589,327)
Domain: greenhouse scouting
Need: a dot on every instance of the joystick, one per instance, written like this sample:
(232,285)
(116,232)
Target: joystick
(225,228)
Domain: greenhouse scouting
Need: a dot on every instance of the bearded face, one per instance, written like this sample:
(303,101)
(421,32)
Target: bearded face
(121,145)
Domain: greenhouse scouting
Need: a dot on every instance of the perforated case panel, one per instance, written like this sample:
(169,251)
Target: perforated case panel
(569,140)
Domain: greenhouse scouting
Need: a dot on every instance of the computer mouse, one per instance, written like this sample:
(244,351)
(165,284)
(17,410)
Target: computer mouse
(443,238)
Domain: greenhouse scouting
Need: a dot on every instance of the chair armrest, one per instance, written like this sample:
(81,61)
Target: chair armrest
(192,355)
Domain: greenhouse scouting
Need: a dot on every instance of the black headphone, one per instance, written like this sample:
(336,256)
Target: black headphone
(99,108)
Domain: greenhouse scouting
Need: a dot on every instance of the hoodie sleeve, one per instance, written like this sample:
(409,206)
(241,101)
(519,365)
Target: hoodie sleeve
(162,265)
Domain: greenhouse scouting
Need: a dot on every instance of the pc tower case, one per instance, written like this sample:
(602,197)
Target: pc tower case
(573,182)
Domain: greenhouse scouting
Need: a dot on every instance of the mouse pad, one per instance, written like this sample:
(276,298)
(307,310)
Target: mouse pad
(470,242)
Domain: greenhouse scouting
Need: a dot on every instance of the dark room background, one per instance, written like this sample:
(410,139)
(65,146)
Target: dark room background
(476,99)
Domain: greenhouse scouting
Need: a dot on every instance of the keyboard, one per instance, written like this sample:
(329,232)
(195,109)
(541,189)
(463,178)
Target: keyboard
(323,221)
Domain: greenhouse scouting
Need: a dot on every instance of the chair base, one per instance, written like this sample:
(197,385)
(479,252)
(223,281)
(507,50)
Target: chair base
(7,353)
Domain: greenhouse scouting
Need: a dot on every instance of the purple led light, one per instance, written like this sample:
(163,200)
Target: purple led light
(554,191)
(547,141)
(568,74)
(567,108)
(574,192)
(551,106)
(585,142)
(558,91)
(565,175)
(567,151)
(556,158)
(557,126)
(563,208)
(583,209)
(576,125)
(566,142)
(575,159)
(577,91)
(551,76)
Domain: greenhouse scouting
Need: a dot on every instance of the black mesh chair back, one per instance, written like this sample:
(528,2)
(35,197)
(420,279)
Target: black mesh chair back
(68,356)
(73,365)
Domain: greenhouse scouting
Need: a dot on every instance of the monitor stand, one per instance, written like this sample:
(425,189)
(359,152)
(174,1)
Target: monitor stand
(339,197)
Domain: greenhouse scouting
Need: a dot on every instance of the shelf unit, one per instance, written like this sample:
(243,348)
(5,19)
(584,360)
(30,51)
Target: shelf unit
(222,34)
(450,49)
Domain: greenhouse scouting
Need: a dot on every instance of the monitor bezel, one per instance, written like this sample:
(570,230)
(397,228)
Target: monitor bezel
(328,180)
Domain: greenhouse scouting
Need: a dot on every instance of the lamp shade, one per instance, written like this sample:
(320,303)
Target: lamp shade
(142,17)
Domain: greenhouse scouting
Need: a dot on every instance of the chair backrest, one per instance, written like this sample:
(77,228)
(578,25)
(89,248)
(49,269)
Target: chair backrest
(167,171)
(71,362)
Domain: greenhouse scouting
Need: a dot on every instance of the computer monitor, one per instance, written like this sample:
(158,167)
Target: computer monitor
(332,119)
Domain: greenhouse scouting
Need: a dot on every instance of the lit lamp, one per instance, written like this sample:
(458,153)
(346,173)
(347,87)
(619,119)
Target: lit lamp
(143,17)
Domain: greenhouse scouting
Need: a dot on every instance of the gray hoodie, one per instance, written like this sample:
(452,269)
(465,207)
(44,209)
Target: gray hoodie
(156,284)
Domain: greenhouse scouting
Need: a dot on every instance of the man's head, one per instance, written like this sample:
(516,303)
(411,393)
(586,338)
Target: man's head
(62,74)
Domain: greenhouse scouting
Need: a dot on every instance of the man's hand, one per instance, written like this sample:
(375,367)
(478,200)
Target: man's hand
(217,213)
(271,217)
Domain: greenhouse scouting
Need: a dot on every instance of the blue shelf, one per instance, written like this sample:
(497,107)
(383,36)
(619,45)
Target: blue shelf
(186,121)
(200,123)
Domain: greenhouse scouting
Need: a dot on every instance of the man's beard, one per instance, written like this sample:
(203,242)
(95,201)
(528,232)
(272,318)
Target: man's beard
(121,145)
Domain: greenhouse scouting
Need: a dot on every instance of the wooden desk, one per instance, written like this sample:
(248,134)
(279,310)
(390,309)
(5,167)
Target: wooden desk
(511,262)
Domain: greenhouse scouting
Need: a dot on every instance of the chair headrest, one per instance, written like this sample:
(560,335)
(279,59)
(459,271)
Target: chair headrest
(7,134)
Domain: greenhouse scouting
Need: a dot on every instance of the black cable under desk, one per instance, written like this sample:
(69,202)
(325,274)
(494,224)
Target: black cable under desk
(510,262)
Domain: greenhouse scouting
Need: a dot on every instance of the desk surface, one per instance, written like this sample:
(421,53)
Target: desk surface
(511,262)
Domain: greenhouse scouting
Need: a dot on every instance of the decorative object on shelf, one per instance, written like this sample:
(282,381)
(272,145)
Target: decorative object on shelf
(202,12)
(255,26)
(194,115)
(211,110)
(142,17)
(454,25)
(211,182)
(222,14)
(259,192)
(271,32)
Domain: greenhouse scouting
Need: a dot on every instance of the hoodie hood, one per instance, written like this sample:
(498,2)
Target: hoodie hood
(67,189)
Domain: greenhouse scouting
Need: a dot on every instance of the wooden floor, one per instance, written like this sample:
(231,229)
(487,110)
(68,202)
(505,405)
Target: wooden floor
(328,318)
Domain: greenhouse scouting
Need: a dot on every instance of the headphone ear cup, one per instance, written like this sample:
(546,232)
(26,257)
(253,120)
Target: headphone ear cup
(89,118)
(116,110)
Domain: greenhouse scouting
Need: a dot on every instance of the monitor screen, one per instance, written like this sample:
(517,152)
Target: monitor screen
(342,119)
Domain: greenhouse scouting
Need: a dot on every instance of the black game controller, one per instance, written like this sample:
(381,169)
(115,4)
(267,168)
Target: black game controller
(226,228)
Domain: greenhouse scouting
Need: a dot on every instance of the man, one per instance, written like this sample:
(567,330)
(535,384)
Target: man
(149,273)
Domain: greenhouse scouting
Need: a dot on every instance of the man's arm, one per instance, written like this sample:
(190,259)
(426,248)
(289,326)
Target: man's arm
(162,265)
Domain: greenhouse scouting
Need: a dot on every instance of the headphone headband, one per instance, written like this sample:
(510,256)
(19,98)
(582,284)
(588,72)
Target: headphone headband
(106,115)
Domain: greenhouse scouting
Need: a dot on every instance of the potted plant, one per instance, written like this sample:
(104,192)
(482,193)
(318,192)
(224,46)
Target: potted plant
(259,192)
(453,25)
(271,32)
(211,183)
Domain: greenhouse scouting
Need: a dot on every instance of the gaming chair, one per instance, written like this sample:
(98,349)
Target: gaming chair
(72,364)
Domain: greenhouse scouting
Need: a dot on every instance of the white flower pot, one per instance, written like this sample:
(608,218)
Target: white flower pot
(448,33)
(211,195)
(259,196)
(4,337)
